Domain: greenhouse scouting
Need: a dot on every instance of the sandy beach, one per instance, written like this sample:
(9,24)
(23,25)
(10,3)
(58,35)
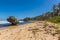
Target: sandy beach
(32,31)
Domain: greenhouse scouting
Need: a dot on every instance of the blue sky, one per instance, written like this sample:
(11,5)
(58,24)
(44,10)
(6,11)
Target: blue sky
(25,8)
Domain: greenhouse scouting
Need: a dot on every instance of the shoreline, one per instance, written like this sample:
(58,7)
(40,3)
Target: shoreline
(28,31)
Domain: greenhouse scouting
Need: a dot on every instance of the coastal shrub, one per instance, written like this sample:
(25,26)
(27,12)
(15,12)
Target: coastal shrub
(12,20)
(55,19)
(58,31)
(27,19)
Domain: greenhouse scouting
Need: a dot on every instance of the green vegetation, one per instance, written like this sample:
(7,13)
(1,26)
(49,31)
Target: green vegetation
(58,31)
(53,16)
(13,20)
(27,19)
(55,19)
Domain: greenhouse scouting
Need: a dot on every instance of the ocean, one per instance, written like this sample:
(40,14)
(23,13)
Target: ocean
(7,24)
(4,22)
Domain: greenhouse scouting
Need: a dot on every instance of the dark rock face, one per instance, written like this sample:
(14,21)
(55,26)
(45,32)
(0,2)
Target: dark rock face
(13,20)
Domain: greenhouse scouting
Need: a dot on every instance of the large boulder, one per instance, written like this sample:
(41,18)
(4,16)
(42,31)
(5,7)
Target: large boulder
(12,20)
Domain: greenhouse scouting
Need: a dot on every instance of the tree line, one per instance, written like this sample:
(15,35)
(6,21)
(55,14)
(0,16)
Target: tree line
(47,15)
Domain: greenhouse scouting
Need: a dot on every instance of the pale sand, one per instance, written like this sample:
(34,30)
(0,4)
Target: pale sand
(31,31)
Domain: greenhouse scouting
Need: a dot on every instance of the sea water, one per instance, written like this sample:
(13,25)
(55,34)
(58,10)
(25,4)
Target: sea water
(7,24)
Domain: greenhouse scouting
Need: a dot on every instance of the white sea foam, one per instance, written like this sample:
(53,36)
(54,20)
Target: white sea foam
(4,22)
